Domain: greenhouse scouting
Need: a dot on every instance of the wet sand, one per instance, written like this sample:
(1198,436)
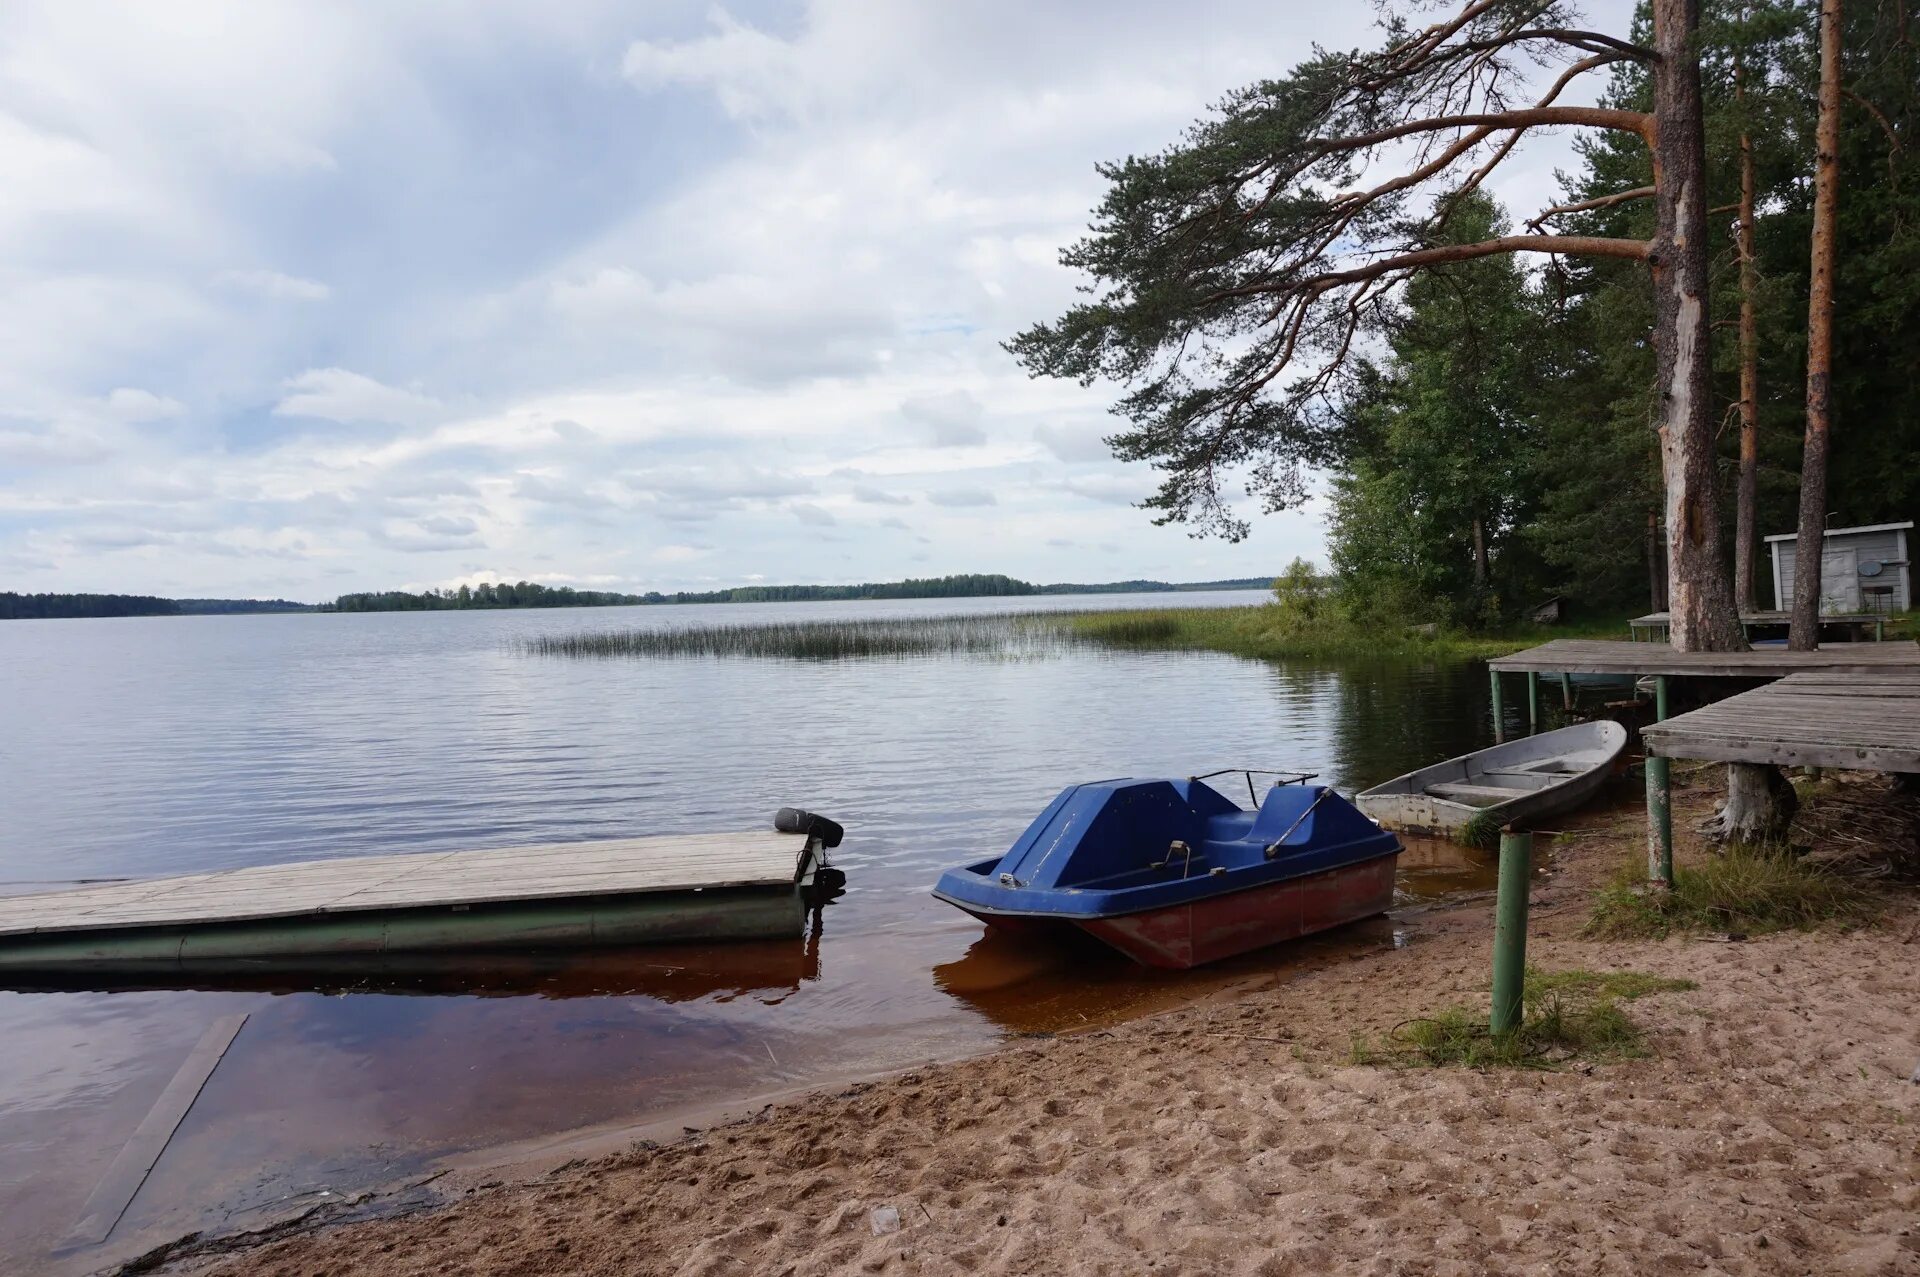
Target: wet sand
(1773,1130)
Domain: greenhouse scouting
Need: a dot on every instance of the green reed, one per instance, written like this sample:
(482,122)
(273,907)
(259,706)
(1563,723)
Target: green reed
(1004,635)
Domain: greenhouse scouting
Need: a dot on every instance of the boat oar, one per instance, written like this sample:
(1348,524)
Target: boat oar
(1273,848)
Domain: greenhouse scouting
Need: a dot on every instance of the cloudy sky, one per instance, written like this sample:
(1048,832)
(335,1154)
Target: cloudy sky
(304,298)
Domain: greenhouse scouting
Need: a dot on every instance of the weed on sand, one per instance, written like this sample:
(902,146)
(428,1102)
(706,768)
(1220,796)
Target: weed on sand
(1745,890)
(1568,1016)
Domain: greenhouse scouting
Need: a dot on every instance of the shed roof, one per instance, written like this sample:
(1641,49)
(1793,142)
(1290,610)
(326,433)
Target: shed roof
(1834,532)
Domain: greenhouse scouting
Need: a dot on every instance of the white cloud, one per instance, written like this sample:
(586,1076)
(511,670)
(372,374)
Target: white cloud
(273,284)
(745,295)
(131,406)
(812,515)
(960,498)
(952,419)
(335,394)
(1075,443)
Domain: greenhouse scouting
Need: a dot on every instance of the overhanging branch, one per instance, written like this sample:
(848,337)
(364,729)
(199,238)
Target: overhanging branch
(1599,201)
(1599,117)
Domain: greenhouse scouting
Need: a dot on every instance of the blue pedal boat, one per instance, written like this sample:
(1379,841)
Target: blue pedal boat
(1173,873)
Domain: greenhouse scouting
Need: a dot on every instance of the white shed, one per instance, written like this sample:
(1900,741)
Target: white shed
(1862,569)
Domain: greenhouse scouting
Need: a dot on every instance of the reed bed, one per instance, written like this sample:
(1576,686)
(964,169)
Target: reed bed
(1007,635)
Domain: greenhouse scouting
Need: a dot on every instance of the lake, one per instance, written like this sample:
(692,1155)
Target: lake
(147,746)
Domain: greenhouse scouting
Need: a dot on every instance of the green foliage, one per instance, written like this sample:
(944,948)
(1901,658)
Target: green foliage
(1523,400)
(1566,1016)
(1299,597)
(1437,476)
(1271,632)
(1745,890)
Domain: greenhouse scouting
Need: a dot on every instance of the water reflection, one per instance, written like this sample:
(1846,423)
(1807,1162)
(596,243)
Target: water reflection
(766,972)
(160,746)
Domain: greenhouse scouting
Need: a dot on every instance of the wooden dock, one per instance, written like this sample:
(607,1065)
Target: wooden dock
(1622,656)
(1656,624)
(1814,719)
(622,891)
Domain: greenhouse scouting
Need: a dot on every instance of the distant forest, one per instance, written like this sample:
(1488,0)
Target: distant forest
(17,607)
(530,594)
(964,586)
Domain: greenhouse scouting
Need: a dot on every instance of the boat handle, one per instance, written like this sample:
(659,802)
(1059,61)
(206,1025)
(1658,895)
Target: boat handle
(1273,848)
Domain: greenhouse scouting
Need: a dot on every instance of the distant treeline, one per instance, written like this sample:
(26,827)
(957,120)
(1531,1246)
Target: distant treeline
(966,585)
(1159,587)
(500,594)
(16,607)
(529,594)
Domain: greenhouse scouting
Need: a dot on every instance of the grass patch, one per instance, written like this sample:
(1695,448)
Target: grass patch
(1568,1016)
(1272,631)
(1746,890)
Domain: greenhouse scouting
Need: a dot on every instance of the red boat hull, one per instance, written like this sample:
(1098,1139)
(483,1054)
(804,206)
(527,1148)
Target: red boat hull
(1206,931)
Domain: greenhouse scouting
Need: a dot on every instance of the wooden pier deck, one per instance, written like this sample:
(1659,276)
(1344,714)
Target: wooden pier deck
(1813,719)
(1622,656)
(1657,623)
(628,890)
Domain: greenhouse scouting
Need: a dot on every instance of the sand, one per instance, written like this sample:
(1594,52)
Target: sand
(1773,1130)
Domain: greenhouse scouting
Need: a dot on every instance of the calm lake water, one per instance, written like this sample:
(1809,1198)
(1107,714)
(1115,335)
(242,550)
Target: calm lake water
(140,747)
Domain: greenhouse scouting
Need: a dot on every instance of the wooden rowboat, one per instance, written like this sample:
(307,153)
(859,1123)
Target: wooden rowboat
(1520,780)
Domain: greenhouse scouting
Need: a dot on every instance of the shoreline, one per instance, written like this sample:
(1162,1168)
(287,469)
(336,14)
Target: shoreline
(1770,1129)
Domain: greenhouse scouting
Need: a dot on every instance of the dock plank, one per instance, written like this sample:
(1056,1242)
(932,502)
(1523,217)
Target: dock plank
(623,866)
(1803,720)
(1621,656)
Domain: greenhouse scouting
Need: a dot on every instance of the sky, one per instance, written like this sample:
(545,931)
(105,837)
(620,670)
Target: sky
(304,298)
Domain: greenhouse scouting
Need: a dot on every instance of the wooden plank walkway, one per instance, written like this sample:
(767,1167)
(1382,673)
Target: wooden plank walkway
(617,867)
(1821,718)
(1622,656)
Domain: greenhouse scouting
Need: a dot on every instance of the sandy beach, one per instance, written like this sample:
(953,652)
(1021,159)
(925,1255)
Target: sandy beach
(1772,1129)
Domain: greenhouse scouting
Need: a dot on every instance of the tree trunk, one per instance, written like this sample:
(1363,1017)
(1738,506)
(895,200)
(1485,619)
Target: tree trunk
(1760,805)
(1656,570)
(1809,548)
(1747,494)
(1479,554)
(1699,591)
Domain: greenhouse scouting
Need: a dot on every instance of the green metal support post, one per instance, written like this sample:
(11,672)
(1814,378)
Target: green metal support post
(1659,801)
(1533,702)
(1510,930)
(1566,692)
(1499,710)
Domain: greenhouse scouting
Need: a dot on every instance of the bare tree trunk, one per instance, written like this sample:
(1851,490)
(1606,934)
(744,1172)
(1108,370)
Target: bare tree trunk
(1760,805)
(1809,548)
(1699,590)
(1656,570)
(1479,553)
(1747,494)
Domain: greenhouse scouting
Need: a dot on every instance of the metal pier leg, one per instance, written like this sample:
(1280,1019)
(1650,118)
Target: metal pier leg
(1659,822)
(1533,702)
(1659,698)
(1499,710)
(1510,930)
(1566,692)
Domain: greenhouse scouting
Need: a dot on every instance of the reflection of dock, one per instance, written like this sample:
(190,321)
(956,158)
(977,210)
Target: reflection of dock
(683,888)
(766,971)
